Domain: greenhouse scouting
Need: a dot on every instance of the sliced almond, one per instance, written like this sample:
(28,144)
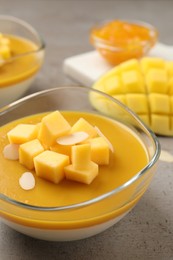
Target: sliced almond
(27,181)
(102,135)
(11,151)
(72,139)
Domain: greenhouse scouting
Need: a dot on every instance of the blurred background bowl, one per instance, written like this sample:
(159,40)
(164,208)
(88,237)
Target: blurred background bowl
(18,71)
(121,40)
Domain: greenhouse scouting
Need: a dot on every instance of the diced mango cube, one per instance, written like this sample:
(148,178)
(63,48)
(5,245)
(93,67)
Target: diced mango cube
(157,81)
(99,150)
(129,65)
(81,156)
(113,85)
(52,126)
(148,63)
(159,103)
(50,165)
(137,102)
(83,125)
(84,175)
(28,151)
(133,82)
(169,67)
(64,149)
(121,98)
(22,133)
(160,123)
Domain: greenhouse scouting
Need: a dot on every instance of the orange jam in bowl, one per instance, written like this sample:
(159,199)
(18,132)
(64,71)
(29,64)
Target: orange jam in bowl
(120,40)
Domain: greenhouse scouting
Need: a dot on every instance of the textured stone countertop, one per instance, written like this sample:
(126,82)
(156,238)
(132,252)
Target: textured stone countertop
(147,231)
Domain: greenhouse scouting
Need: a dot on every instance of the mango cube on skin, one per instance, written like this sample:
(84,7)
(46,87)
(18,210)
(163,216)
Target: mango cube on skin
(22,133)
(132,64)
(138,103)
(28,151)
(133,82)
(157,81)
(148,63)
(52,126)
(85,176)
(99,150)
(83,125)
(113,85)
(50,165)
(159,103)
(160,123)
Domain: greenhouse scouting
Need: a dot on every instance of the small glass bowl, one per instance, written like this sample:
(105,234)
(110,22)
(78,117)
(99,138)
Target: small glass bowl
(128,42)
(90,216)
(26,64)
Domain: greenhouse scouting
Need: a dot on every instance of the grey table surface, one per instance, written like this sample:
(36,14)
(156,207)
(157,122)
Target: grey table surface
(147,231)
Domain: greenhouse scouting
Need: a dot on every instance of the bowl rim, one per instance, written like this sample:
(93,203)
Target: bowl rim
(102,43)
(29,27)
(138,175)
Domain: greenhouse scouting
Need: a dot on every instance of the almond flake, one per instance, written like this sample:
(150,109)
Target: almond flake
(102,135)
(11,151)
(27,181)
(72,139)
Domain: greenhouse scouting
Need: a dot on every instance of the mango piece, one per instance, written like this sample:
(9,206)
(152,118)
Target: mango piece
(138,103)
(22,133)
(28,151)
(113,85)
(50,165)
(159,103)
(99,150)
(152,101)
(85,176)
(157,81)
(81,156)
(148,63)
(82,168)
(83,125)
(133,82)
(52,126)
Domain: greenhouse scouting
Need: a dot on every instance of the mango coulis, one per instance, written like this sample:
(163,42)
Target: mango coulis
(24,61)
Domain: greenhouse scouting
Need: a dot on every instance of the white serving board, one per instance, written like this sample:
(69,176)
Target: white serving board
(86,68)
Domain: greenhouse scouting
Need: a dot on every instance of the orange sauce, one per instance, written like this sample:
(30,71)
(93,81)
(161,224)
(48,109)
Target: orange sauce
(24,62)
(128,159)
(118,40)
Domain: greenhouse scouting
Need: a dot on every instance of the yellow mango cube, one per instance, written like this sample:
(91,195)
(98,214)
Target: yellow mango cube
(83,125)
(28,151)
(22,133)
(50,165)
(81,156)
(99,150)
(138,103)
(157,81)
(159,103)
(148,63)
(113,85)
(130,65)
(160,123)
(85,176)
(133,82)
(64,149)
(52,126)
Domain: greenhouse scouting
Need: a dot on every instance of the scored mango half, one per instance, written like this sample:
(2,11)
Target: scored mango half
(145,86)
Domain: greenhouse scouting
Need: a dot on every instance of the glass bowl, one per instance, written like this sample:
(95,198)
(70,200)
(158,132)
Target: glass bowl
(89,209)
(27,55)
(121,40)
